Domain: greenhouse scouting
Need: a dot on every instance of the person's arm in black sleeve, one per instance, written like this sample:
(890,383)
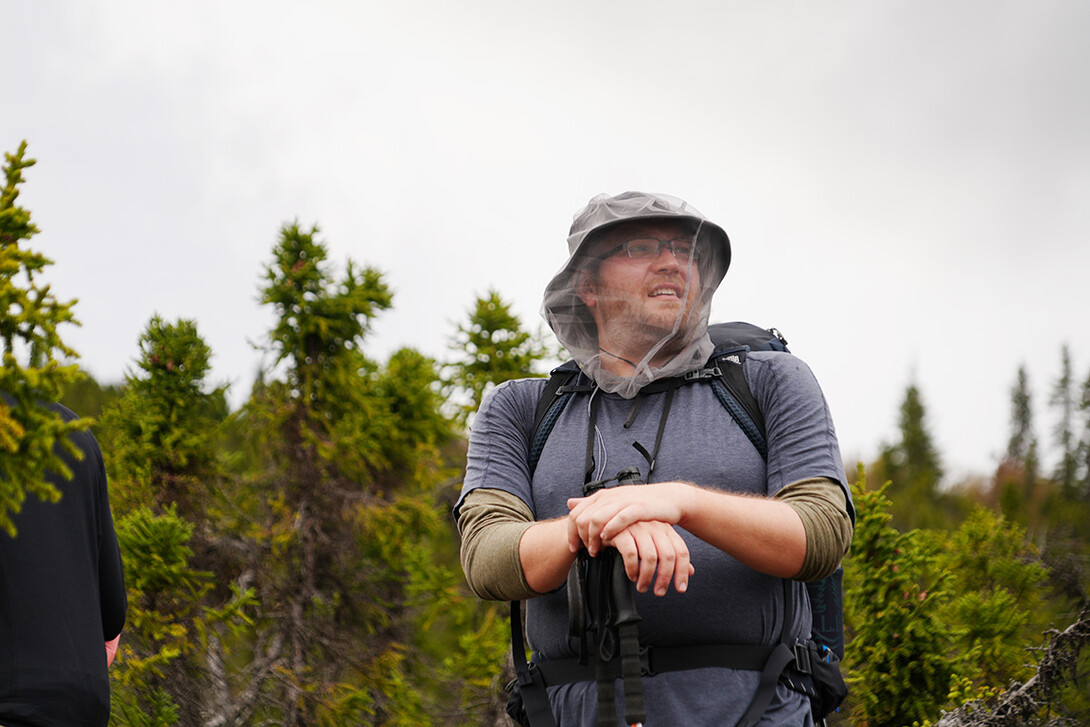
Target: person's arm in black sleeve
(113,601)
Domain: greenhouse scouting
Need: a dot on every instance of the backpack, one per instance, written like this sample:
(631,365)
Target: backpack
(812,669)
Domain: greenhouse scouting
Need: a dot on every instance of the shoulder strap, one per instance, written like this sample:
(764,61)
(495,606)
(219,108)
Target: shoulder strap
(730,387)
(531,685)
(559,389)
(732,341)
(782,657)
(724,370)
(558,377)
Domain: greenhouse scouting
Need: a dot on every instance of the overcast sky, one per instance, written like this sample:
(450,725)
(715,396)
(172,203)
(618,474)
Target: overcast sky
(906,184)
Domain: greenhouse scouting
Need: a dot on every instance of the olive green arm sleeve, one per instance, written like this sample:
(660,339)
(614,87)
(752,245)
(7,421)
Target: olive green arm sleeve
(823,508)
(491,523)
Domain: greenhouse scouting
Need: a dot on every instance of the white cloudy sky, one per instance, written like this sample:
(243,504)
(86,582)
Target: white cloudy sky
(906,184)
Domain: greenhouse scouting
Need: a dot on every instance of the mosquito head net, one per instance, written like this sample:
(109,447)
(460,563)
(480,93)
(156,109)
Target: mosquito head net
(631,304)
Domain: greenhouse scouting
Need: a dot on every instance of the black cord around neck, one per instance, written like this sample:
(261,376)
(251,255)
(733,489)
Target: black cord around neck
(619,358)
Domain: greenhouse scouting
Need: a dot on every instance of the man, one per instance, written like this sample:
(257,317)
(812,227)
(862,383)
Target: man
(718,523)
(62,601)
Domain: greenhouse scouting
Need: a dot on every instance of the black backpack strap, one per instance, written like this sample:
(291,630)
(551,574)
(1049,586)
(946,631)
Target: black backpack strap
(563,382)
(783,656)
(770,660)
(661,659)
(535,699)
(558,377)
(730,387)
(724,370)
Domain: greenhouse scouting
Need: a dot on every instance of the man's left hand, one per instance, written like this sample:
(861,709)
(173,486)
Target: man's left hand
(603,515)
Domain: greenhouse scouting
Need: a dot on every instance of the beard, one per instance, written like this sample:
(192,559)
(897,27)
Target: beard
(633,328)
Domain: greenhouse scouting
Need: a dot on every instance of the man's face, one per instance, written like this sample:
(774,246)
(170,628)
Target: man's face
(637,294)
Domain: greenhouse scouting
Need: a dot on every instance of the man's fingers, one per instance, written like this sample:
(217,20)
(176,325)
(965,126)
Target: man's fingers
(580,526)
(625,543)
(683,568)
(655,556)
(639,553)
(649,557)
(575,542)
(668,557)
(591,516)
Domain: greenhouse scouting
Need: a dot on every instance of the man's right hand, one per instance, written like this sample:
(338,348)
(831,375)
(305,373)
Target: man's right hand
(111,649)
(651,546)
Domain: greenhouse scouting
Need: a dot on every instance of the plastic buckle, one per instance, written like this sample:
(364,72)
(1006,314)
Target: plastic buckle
(701,374)
(802,659)
(647,667)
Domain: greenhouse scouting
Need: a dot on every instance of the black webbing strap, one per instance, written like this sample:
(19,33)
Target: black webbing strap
(782,657)
(658,660)
(652,456)
(607,701)
(564,381)
(558,378)
(730,387)
(730,372)
(531,684)
(588,459)
(766,688)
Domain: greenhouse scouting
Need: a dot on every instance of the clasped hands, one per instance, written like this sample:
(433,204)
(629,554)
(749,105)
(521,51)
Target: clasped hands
(637,520)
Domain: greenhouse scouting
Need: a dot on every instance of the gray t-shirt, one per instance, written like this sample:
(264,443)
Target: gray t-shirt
(726,602)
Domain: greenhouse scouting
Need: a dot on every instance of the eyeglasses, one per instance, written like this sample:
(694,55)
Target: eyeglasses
(648,248)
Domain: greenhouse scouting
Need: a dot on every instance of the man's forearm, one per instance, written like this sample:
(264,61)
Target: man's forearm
(765,534)
(545,555)
(508,556)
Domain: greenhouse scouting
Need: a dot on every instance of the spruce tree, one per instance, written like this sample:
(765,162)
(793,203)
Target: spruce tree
(163,426)
(494,348)
(162,435)
(30,316)
(914,468)
(350,578)
(1084,442)
(935,617)
(1063,400)
(320,323)
(1022,446)
(897,657)
(1016,478)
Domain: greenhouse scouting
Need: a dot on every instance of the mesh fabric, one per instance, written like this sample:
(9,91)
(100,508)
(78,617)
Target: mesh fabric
(628,322)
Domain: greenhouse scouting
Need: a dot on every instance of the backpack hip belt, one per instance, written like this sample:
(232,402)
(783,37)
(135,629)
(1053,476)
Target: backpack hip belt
(658,660)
